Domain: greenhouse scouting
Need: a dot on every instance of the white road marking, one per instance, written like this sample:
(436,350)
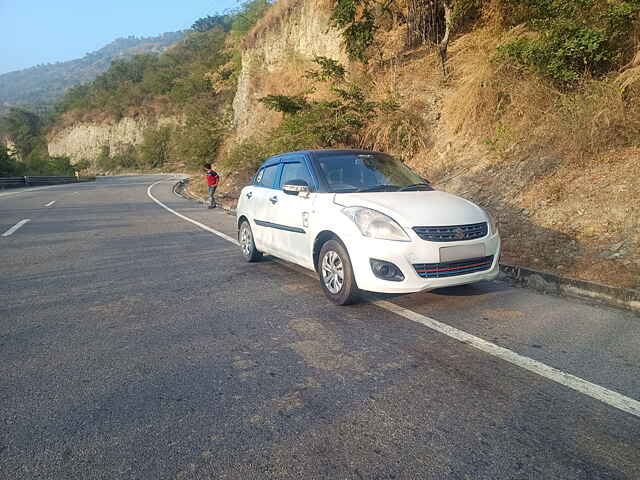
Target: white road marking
(609,397)
(27,190)
(13,229)
(62,186)
(592,390)
(204,227)
(97,184)
(50,203)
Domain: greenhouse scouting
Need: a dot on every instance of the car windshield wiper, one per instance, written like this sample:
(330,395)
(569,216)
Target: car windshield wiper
(378,188)
(345,190)
(416,186)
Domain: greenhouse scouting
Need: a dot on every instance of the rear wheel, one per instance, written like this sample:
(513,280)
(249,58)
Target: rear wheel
(336,274)
(247,244)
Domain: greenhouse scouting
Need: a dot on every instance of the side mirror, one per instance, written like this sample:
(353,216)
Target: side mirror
(297,187)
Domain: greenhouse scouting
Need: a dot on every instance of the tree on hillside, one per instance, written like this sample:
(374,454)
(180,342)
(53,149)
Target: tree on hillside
(246,17)
(8,165)
(24,129)
(209,22)
(156,147)
(428,22)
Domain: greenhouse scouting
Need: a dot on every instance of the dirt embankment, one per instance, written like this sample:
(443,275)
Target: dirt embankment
(559,169)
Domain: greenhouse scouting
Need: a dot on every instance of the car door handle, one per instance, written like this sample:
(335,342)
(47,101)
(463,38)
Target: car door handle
(274,200)
(249,195)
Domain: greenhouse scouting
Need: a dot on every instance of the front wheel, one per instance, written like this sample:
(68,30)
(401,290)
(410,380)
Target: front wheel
(336,274)
(247,244)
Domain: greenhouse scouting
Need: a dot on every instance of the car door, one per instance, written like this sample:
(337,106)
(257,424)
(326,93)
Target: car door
(265,187)
(291,213)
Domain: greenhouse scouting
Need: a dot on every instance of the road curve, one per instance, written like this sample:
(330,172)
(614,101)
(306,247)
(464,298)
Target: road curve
(136,343)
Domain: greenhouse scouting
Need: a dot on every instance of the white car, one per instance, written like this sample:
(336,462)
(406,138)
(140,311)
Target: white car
(364,221)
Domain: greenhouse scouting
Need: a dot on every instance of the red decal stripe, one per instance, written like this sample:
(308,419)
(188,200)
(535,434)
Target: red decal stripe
(454,268)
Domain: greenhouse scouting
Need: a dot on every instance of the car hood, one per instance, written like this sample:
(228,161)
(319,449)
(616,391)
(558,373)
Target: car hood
(432,208)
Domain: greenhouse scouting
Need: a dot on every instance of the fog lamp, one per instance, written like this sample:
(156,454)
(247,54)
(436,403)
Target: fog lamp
(386,270)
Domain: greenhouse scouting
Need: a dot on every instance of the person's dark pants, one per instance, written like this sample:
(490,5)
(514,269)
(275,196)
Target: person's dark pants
(212,200)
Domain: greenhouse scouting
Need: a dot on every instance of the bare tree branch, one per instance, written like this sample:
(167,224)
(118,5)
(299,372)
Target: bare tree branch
(444,43)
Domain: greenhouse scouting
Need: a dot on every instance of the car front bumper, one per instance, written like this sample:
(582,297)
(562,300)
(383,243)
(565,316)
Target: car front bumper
(407,254)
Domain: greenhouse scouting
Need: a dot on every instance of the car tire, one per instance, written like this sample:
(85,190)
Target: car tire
(336,274)
(247,244)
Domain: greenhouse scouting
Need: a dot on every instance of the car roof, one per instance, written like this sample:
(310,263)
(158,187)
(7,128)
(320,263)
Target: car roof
(316,153)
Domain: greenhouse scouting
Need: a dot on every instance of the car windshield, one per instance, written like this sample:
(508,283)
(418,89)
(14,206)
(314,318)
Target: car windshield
(371,172)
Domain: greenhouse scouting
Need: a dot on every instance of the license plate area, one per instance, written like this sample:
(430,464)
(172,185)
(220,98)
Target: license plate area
(461,252)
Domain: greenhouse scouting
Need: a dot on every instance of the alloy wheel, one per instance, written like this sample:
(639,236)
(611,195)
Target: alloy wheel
(246,240)
(333,272)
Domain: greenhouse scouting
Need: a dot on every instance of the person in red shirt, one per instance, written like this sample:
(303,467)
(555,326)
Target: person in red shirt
(212,181)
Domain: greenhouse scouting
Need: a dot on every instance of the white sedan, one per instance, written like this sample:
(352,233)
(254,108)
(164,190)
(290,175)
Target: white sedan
(364,221)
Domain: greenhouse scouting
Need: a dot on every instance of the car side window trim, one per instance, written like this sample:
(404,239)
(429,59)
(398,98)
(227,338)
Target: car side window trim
(304,161)
(299,161)
(276,178)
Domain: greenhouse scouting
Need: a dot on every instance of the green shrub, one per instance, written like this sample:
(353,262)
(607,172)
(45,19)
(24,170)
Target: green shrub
(155,149)
(329,69)
(61,166)
(82,164)
(320,124)
(563,52)
(285,104)
(104,161)
(127,159)
(248,154)
(198,140)
(573,37)
(356,19)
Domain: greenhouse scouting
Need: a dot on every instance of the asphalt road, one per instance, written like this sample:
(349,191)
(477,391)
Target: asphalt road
(135,344)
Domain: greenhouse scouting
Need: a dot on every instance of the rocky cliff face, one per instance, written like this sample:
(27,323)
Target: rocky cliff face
(277,60)
(275,63)
(84,141)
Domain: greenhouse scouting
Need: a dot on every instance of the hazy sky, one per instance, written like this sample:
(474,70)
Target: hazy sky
(39,31)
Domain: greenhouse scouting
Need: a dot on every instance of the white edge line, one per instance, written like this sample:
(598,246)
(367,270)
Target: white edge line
(609,397)
(27,190)
(50,203)
(13,229)
(592,390)
(204,227)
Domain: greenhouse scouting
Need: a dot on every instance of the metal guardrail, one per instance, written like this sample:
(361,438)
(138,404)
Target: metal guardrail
(33,181)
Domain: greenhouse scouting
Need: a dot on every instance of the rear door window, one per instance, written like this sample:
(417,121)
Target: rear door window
(267,176)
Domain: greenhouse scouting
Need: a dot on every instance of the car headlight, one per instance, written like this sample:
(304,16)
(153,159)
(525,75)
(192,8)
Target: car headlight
(374,224)
(492,222)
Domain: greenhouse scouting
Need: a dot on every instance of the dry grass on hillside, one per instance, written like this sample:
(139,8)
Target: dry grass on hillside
(560,169)
(630,77)
(526,115)
(401,129)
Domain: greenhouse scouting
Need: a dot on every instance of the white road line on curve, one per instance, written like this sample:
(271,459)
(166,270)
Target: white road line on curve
(609,397)
(13,229)
(204,227)
(50,203)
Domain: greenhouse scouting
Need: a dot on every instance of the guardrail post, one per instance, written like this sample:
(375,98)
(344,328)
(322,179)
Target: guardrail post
(26,181)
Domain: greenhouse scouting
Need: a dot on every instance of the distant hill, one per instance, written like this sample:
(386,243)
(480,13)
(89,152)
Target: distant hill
(36,88)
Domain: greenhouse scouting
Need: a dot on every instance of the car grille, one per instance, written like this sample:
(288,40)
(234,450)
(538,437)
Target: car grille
(455,233)
(452,269)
